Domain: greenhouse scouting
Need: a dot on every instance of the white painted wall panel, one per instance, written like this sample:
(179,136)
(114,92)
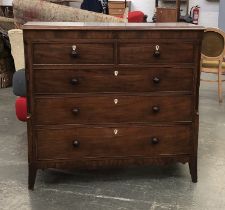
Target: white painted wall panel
(209,12)
(6,2)
(222,15)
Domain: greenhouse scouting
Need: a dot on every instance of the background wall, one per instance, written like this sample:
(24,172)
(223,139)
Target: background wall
(146,6)
(7,2)
(222,15)
(209,12)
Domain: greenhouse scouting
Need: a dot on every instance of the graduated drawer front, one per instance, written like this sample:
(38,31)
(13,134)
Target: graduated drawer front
(116,5)
(156,52)
(116,8)
(112,109)
(66,53)
(81,142)
(106,80)
(116,11)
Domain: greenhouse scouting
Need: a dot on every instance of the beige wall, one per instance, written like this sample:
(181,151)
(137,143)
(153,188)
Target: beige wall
(6,2)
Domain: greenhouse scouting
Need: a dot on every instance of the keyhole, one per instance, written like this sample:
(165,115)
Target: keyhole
(157,47)
(74,47)
(116,101)
(116,73)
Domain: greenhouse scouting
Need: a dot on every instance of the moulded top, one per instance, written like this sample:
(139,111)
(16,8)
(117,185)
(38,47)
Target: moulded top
(109,26)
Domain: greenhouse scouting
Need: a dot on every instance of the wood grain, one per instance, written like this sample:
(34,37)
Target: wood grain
(83,115)
(170,52)
(103,142)
(95,53)
(101,109)
(105,80)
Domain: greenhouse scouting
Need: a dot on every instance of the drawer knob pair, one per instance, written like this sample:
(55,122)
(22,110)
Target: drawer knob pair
(155,109)
(74,52)
(157,51)
(76,143)
(154,140)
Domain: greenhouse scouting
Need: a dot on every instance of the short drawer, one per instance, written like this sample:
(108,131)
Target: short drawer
(81,142)
(112,109)
(73,53)
(116,11)
(116,5)
(106,80)
(157,52)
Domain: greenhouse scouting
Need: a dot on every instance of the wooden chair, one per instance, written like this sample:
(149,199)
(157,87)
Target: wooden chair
(213,52)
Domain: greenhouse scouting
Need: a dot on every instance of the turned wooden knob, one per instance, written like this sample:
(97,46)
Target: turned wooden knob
(156,80)
(76,143)
(76,111)
(74,81)
(154,140)
(74,52)
(155,109)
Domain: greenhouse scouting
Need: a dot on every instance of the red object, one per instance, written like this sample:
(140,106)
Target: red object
(135,17)
(21,108)
(195,14)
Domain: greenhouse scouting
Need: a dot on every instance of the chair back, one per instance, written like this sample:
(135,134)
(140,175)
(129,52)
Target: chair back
(213,43)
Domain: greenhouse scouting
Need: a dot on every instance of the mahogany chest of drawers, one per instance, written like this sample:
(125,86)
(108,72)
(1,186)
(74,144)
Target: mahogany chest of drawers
(112,95)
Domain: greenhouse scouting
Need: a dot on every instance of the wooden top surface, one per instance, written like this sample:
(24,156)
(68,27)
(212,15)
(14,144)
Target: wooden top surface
(109,26)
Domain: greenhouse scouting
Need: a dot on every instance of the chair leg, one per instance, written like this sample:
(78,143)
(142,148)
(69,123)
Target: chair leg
(220,83)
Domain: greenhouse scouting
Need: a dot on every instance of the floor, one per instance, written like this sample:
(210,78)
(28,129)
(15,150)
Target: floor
(152,188)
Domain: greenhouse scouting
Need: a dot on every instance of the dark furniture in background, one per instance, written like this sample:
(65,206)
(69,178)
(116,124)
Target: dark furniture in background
(117,8)
(6,9)
(170,14)
(166,15)
(112,95)
(7,67)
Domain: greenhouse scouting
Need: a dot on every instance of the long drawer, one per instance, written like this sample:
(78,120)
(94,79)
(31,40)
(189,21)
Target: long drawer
(112,108)
(121,80)
(116,11)
(156,52)
(73,53)
(81,142)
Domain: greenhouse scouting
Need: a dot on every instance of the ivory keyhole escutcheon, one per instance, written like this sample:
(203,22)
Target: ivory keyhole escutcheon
(116,101)
(116,73)
(74,47)
(115,131)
